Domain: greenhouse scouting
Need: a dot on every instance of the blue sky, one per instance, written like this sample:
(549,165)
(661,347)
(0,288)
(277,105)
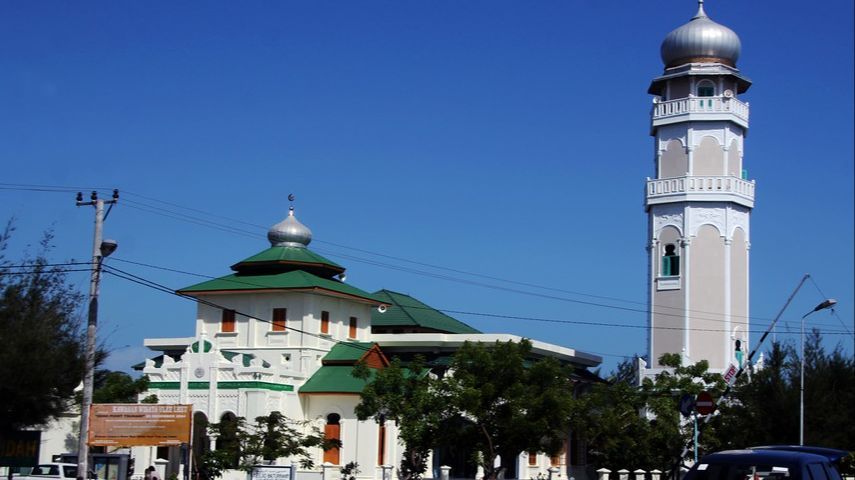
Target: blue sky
(505,139)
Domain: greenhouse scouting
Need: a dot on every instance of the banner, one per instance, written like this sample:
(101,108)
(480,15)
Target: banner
(139,424)
(19,449)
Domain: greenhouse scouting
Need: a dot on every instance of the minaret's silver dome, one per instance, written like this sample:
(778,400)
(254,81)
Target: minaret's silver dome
(289,233)
(701,41)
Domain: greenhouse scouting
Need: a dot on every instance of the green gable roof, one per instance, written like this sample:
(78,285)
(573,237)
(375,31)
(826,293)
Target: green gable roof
(335,379)
(293,280)
(296,255)
(347,352)
(404,310)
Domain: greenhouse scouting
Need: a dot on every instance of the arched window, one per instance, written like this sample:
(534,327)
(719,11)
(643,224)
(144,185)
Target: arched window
(706,88)
(227,438)
(670,261)
(738,353)
(332,431)
(201,442)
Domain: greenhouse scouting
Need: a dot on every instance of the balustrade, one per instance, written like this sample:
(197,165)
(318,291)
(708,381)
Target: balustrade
(661,187)
(683,106)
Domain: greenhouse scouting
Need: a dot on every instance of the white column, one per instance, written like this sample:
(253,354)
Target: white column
(690,148)
(686,242)
(728,341)
(653,248)
(183,383)
(747,293)
(213,404)
(726,148)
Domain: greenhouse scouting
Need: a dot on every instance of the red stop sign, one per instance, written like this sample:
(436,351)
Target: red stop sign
(705,403)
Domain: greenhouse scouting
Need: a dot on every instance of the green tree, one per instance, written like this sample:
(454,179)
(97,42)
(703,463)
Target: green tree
(270,437)
(608,416)
(410,397)
(117,387)
(765,405)
(42,359)
(641,426)
(510,402)
(663,394)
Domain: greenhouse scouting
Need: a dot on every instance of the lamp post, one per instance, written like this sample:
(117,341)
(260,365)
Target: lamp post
(827,303)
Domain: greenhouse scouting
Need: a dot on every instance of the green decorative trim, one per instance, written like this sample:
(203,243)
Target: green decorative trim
(229,385)
(233,385)
(206,346)
(165,385)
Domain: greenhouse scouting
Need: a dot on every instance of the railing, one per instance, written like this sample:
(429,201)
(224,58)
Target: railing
(683,106)
(624,474)
(663,187)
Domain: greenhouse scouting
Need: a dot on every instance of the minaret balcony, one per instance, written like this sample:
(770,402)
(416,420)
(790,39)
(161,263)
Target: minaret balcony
(723,188)
(720,107)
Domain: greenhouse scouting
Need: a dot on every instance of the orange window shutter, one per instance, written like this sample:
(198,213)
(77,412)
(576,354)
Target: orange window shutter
(381,446)
(332,432)
(279,315)
(228,321)
(532,458)
(352,332)
(325,323)
(556,460)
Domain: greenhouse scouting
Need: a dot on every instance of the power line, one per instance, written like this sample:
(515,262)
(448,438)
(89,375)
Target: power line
(238,231)
(162,288)
(229,229)
(36,265)
(47,272)
(460,312)
(248,283)
(31,187)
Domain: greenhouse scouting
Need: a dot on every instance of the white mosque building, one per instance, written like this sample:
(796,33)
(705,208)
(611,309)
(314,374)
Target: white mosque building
(283,331)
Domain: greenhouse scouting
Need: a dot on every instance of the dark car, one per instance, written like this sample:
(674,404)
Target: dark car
(779,462)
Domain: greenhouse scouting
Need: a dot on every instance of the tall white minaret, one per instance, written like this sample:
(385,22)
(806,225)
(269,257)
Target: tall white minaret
(699,200)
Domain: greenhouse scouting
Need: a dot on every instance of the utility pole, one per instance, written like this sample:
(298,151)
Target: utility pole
(100,250)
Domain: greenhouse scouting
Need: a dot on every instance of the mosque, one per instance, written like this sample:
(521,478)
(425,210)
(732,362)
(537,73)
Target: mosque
(282,332)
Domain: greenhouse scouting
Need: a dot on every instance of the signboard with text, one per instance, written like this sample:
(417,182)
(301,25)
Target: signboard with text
(271,472)
(139,424)
(19,448)
(730,374)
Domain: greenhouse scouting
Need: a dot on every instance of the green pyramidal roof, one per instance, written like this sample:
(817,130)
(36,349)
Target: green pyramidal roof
(293,280)
(285,258)
(405,311)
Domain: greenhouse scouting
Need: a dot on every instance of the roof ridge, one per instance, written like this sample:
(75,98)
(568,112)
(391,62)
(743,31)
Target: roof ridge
(395,292)
(410,316)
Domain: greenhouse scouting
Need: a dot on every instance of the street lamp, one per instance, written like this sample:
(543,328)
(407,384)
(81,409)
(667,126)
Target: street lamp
(827,303)
(101,249)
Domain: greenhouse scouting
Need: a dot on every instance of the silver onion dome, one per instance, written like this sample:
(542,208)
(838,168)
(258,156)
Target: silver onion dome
(701,41)
(289,233)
